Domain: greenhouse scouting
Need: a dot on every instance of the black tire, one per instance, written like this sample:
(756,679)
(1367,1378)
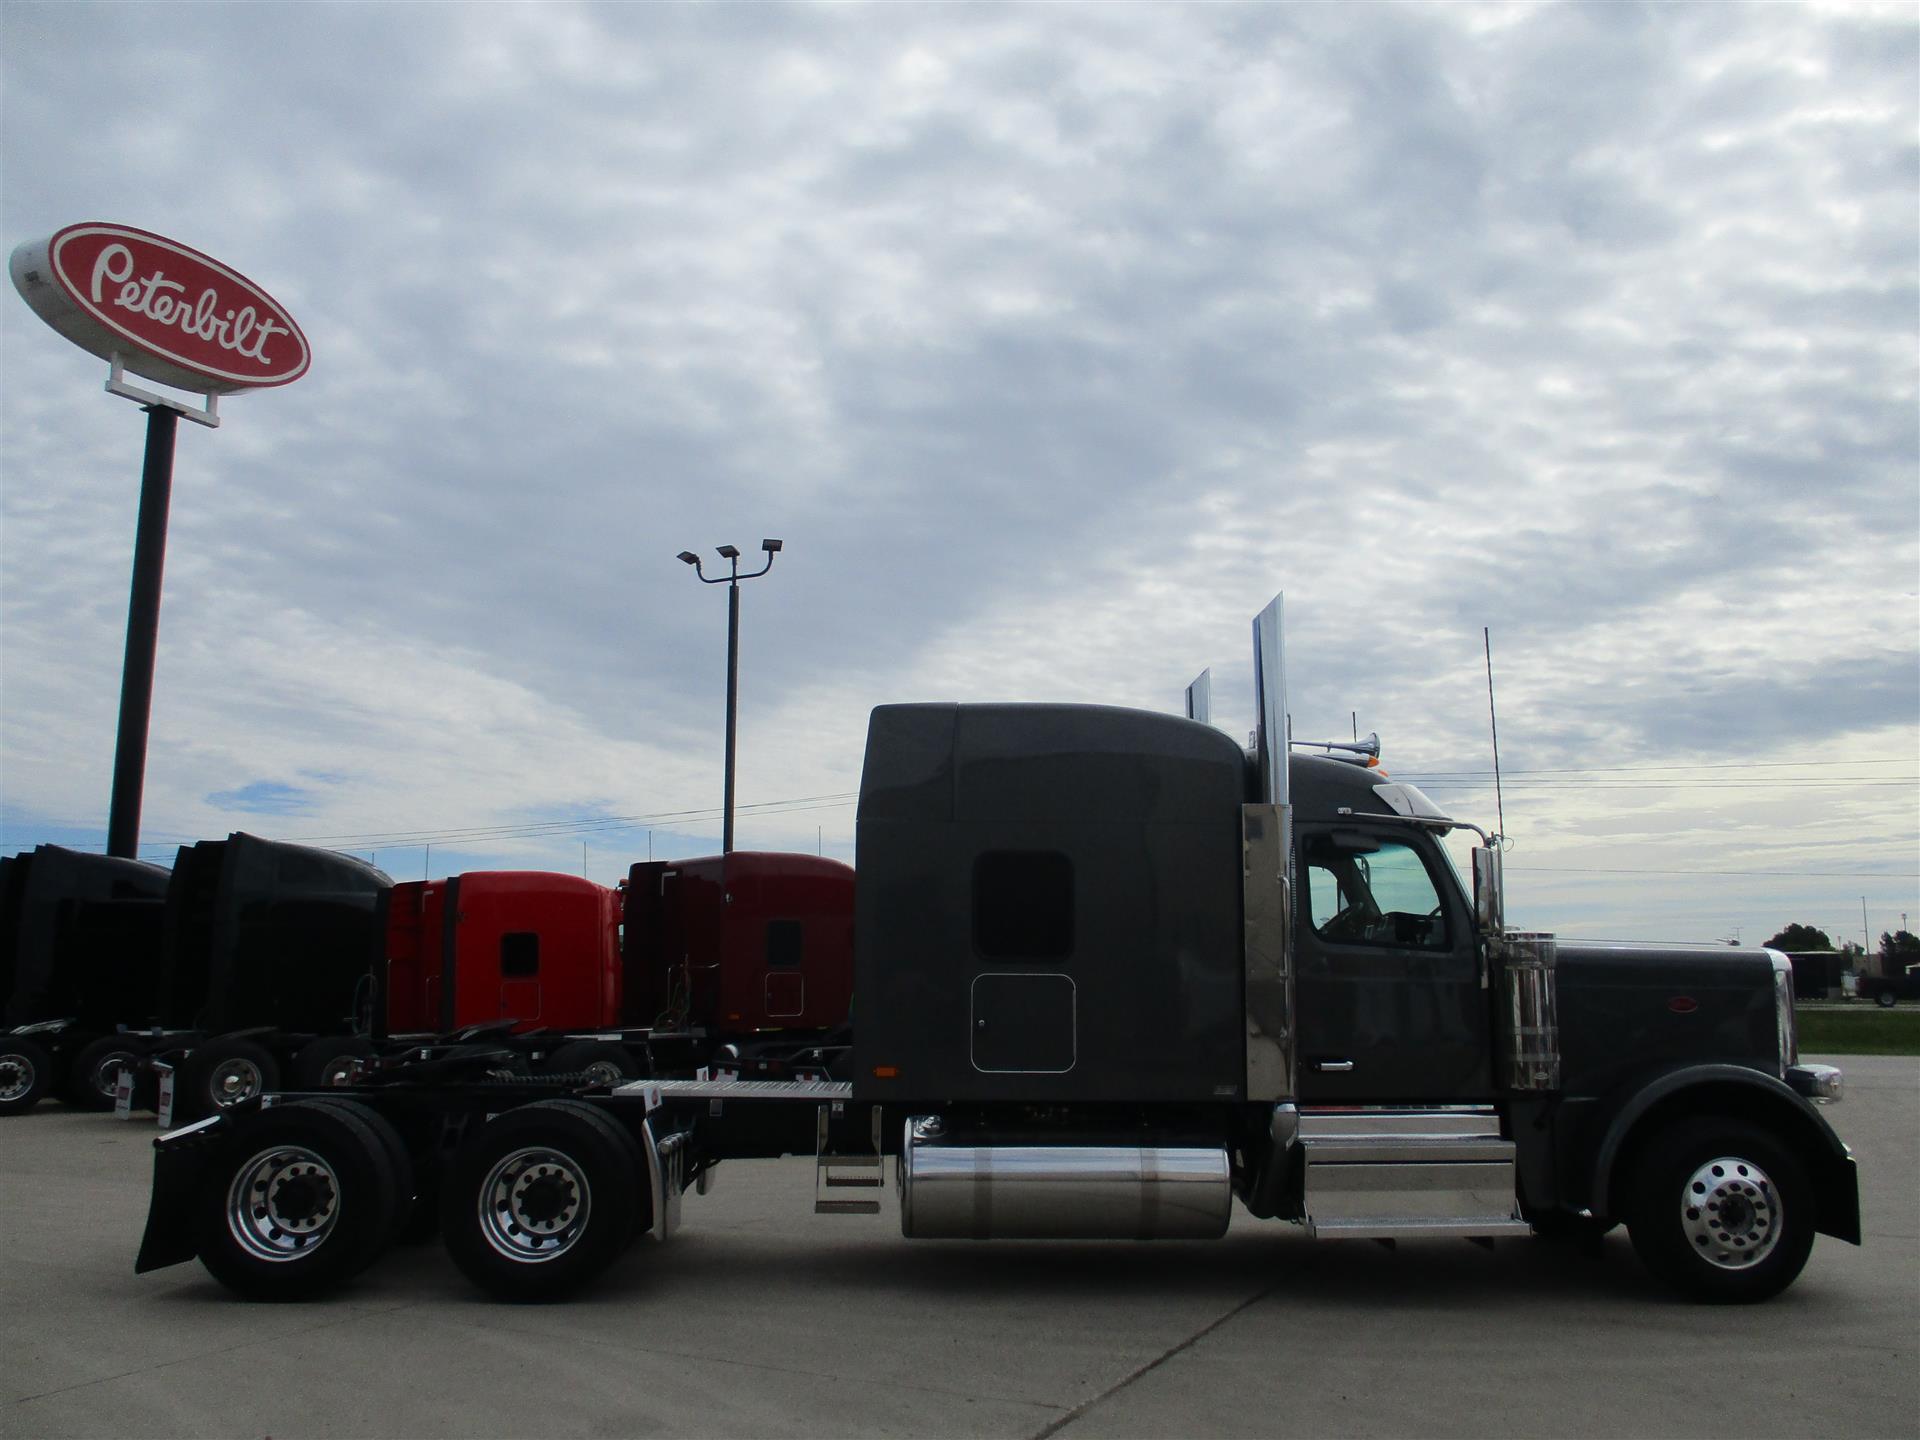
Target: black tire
(327,1063)
(609,1064)
(300,1199)
(1885,999)
(222,1074)
(406,1185)
(1720,1210)
(26,1073)
(94,1076)
(541,1200)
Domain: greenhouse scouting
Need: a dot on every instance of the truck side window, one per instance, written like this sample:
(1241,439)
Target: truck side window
(519,954)
(1022,905)
(1384,896)
(785,942)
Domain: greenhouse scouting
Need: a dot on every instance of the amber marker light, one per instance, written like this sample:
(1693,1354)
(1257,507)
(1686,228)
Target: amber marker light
(886,1072)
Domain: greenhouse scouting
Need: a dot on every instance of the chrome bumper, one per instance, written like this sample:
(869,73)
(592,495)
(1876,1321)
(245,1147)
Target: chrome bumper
(1823,1084)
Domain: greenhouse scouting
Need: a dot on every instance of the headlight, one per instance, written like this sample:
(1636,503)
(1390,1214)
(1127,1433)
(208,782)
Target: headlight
(1783,1011)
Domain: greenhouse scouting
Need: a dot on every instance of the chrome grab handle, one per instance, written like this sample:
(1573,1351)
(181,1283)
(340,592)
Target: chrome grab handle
(1333,1067)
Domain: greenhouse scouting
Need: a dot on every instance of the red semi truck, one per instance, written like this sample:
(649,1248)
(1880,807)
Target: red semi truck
(744,960)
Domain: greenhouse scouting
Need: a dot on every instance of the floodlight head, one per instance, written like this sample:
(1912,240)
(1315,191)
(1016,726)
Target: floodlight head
(689,557)
(772,547)
(727,552)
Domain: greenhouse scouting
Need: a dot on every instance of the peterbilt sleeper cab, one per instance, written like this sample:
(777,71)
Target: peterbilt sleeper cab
(1113,974)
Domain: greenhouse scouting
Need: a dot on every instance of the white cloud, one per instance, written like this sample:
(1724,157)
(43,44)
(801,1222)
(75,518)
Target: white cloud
(1052,340)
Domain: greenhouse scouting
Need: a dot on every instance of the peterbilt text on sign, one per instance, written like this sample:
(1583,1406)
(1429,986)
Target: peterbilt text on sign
(161,299)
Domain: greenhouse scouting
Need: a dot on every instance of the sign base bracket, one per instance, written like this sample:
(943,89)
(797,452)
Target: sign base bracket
(117,385)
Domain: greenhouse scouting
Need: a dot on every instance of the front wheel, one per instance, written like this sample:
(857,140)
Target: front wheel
(601,1060)
(301,1198)
(94,1080)
(330,1062)
(224,1073)
(1721,1210)
(541,1200)
(26,1071)
(1884,999)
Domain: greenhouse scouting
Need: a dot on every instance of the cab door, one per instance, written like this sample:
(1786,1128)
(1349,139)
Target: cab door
(1390,992)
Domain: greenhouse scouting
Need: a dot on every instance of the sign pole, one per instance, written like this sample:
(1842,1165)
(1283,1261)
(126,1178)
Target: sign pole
(162,310)
(143,633)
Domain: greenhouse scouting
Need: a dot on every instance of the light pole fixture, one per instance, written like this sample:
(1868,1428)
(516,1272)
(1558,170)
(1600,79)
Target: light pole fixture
(731,580)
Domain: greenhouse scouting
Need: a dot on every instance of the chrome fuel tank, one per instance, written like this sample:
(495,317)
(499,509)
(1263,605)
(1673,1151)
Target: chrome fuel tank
(1059,1192)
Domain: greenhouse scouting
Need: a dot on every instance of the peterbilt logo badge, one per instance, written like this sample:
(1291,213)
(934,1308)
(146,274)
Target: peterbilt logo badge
(169,312)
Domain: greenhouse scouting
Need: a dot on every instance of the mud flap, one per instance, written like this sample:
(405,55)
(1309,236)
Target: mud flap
(179,1160)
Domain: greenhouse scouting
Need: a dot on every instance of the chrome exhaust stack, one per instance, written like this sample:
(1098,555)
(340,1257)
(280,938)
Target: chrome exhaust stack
(1266,833)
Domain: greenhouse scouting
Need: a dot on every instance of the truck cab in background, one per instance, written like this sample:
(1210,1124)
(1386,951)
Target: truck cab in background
(78,937)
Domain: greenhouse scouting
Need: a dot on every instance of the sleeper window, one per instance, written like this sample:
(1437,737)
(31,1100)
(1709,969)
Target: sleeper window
(1023,905)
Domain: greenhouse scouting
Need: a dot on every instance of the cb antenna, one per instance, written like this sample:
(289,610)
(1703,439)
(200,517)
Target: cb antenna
(1499,801)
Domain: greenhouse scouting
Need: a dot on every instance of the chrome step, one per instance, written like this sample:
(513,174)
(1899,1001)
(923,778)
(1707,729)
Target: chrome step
(1413,1227)
(846,1172)
(1391,1174)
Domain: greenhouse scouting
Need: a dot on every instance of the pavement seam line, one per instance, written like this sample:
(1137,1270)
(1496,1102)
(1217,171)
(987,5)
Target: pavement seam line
(1154,1364)
(617,1348)
(209,1354)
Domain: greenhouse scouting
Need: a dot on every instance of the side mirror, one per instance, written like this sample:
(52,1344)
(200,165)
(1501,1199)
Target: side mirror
(1489,905)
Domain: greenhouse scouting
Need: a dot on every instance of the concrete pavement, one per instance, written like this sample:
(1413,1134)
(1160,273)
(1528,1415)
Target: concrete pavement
(761,1318)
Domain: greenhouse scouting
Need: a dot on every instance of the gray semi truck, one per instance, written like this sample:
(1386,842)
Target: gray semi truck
(1114,974)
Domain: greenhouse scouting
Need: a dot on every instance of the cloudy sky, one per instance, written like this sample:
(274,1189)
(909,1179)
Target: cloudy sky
(1052,341)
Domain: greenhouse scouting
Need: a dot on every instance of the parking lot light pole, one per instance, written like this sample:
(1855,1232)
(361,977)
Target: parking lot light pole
(732,581)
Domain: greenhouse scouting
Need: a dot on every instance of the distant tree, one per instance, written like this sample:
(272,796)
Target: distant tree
(1800,937)
(1897,951)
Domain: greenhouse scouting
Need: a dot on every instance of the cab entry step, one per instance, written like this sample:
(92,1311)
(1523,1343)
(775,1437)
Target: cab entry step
(1385,1174)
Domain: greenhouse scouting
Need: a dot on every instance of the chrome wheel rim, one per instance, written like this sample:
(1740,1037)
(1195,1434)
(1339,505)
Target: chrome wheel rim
(106,1075)
(283,1203)
(342,1070)
(232,1081)
(534,1205)
(1730,1213)
(605,1072)
(16,1076)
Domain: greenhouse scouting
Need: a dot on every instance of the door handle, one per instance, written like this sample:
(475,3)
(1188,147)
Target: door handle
(1333,1067)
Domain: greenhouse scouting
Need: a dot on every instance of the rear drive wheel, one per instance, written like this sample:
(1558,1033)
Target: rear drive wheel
(26,1071)
(95,1075)
(606,1062)
(1721,1210)
(407,1198)
(541,1200)
(1884,999)
(301,1198)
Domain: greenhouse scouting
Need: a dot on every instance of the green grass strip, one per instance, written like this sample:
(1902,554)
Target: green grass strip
(1866,1031)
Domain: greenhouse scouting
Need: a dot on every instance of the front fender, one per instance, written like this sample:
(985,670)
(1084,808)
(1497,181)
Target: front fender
(1750,1095)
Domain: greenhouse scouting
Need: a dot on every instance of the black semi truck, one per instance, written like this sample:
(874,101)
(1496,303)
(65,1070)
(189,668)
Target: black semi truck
(1113,973)
(77,937)
(252,958)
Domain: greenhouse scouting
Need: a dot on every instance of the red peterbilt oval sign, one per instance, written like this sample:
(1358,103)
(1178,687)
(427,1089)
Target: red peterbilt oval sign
(169,312)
